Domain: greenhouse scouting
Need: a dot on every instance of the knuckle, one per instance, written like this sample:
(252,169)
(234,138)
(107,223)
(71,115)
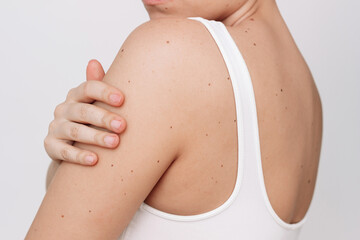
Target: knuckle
(74,132)
(106,118)
(99,138)
(79,156)
(52,126)
(70,93)
(65,153)
(46,142)
(105,93)
(59,109)
(83,111)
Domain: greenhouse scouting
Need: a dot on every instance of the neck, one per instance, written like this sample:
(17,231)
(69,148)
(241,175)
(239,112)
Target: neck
(264,9)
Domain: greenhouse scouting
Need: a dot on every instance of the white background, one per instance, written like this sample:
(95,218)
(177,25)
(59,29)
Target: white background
(45,47)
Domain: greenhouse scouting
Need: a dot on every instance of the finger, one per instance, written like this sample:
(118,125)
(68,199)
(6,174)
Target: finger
(94,70)
(97,116)
(96,90)
(85,134)
(65,152)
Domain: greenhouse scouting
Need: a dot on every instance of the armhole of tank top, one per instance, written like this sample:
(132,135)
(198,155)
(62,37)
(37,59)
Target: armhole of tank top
(249,87)
(239,122)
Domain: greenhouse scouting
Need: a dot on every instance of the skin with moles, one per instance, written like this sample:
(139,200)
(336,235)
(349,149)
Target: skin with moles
(178,109)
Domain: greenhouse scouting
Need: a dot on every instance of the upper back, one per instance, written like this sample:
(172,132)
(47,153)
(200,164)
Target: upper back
(289,115)
(288,111)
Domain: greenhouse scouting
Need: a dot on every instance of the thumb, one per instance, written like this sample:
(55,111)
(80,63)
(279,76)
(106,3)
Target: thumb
(94,70)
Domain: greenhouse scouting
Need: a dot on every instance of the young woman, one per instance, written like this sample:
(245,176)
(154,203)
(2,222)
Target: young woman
(222,136)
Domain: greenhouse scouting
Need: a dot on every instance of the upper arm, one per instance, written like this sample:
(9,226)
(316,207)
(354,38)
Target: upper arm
(98,202)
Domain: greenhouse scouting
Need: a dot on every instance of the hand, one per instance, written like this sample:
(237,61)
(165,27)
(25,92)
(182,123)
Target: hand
(71,117)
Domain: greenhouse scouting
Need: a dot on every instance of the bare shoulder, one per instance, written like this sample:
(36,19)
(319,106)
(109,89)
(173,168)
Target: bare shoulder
(174,31)
(171,60)
(165,44)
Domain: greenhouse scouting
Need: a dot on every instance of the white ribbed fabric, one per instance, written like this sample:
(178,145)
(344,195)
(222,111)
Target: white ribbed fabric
(247,214)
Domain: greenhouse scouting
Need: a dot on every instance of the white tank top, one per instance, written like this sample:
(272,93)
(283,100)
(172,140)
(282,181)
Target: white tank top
(247,214)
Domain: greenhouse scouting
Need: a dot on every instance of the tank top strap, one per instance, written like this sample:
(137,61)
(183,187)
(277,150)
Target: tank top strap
(250,170)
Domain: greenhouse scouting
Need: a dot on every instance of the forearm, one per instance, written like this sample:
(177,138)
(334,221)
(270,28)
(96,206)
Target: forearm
(51,172)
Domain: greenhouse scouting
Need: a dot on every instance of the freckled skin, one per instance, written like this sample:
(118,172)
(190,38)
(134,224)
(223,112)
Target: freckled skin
(255,36)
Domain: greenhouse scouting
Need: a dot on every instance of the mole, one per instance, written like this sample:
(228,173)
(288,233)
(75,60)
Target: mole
(112,165)
(62,216)
(275,94)
(122,50)
(234,120)
(166,8)
(281,89)
(209,84)
(122,179)
(128,81)
(132,171)
(170,126)
(206,134)
(246,31)
(158,161)
(302,166)
(222,165)
(89,211)
(254,44)
(309,181)
(219,122)
(228,78)
(215,181)
(285,107)
(251,19)
(125,193)
(167,41)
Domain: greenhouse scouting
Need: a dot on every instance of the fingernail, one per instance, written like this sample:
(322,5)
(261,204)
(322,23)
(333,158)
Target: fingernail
(115,98)
(109,140)
(115,124)
(90,159)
